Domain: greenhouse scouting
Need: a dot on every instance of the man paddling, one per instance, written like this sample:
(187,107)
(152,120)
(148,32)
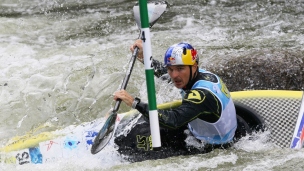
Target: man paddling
(207,109)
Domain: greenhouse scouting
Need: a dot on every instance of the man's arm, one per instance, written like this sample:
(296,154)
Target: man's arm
(196,104)
(159,68)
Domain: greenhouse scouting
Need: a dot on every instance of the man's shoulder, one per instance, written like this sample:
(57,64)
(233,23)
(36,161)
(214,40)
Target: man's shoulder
(208,76)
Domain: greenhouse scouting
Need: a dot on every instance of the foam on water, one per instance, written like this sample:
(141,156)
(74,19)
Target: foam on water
(256,142)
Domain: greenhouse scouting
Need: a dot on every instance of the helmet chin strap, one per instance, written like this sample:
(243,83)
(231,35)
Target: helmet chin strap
(190,78)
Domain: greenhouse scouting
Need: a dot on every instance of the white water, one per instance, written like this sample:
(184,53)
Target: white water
(60,62)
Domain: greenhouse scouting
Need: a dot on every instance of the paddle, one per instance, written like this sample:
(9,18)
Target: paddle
(155,10)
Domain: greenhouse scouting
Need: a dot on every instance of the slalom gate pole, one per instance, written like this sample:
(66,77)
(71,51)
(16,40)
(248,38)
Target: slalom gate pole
(147,50)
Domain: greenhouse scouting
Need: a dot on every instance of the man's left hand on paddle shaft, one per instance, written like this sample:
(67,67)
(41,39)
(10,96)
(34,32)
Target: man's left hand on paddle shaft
(124,96)
(138,43)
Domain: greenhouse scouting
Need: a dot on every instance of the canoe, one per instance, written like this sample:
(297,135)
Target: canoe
(279,111)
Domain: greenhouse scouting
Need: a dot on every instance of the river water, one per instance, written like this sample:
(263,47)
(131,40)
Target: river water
(61,61)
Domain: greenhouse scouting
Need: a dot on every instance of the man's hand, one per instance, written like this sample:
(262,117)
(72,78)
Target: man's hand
(138,43)
(124,96)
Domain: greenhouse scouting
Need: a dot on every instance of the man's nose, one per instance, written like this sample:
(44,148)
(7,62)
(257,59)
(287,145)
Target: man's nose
(174,73)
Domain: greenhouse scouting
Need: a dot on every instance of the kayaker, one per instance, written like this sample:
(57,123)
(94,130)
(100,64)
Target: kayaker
(207,111)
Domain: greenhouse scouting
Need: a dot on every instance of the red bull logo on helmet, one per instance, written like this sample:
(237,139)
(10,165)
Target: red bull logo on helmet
(171,61)
(194,54)
(176,56)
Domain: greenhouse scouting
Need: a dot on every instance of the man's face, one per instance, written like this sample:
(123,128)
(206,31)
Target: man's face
(180,74)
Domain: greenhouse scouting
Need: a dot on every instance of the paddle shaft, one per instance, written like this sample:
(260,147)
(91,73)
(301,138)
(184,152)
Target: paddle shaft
(105,134)
(126,79)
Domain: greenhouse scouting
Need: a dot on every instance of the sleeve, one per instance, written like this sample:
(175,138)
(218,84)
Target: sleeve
(197,103)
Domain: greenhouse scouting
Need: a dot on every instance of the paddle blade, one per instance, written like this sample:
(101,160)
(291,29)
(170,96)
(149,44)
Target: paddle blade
(155,10)
(105,134)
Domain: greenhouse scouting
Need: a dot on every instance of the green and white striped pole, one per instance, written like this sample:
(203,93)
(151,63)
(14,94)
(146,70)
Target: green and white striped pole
(145,36)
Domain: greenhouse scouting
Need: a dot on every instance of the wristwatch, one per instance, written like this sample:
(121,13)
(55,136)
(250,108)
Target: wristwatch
(135,102)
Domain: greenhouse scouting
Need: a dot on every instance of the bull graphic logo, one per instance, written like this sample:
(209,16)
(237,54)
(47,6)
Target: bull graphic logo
(194,54)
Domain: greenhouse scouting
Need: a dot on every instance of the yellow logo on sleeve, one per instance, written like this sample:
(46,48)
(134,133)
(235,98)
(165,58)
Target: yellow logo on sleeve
(195,97)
